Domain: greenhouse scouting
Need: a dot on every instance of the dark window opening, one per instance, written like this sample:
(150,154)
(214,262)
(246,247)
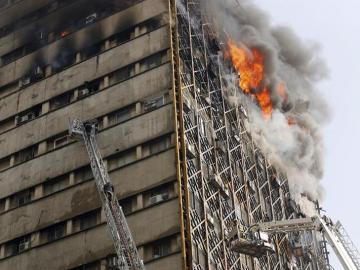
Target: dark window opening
(18,245)
(60,101)
(161,248)
(55,185)
(89,220)
(26,154)
(21,198)
(55,232)
(28,115)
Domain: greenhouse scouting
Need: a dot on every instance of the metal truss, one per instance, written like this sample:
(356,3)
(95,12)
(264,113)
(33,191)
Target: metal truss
(229,181)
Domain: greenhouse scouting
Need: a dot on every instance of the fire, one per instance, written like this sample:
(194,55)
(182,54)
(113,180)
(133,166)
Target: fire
(249,63)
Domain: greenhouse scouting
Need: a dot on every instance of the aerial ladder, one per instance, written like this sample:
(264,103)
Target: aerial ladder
(128,257)
(335,235)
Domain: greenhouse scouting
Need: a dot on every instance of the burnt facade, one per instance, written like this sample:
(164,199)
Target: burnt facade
(186,170)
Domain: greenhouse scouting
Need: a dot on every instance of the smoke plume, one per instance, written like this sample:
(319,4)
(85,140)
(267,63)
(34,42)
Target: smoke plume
(291,137)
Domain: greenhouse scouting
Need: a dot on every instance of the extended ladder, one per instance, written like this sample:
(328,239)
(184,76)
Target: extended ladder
(128,257)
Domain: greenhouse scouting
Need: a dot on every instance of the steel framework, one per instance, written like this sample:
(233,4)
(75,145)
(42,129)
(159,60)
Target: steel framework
(225,180)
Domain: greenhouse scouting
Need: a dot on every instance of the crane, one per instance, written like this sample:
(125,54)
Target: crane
(128,257)
(336,236)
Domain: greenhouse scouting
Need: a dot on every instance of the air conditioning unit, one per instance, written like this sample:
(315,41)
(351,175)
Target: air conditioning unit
(159,198)
(91,18)
(83,92)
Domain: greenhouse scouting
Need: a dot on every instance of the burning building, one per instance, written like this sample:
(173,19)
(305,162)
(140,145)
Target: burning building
(175,131)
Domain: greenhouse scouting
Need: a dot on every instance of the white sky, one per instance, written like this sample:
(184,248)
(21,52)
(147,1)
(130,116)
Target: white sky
(336,26)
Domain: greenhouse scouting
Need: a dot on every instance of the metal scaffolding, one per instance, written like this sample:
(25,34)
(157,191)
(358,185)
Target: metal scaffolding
(226,182)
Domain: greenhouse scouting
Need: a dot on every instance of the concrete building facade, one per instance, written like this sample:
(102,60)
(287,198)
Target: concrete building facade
(184,167)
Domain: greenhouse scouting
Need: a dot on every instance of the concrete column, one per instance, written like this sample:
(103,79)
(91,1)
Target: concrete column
(105,121)
(138,152)
(48,70)
(7,204)
(139,201)
(138,108)
(76,94)
(137,68)
(72,178)
(2,251)
(106,81)
(137,31)
(78,57)
(12,160)
(39,192)
(106,44)
(45,107)
(69,227)
(35,239)
(42,148)
(103,265)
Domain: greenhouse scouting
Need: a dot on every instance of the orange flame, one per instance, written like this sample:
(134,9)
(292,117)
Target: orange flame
(250,66)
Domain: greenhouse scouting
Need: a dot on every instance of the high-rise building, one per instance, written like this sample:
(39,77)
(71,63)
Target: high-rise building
(186,171)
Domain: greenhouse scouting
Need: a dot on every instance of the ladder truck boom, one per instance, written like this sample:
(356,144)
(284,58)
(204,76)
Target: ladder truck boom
(348,255)
(128,257)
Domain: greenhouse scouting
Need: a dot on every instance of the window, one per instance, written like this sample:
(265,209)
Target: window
(121,115)
(161,248)
(60,101)
(17,246)
(21,198)
(83,174)
(112,263)
(158,194)
(28,115)
(89,220)
(4,163)
(26,154)
(152,104)
(55,185)
(159,145)
(122,159)
(89,266)
(54,232)
(2,205)
(127,205)
(88,88)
